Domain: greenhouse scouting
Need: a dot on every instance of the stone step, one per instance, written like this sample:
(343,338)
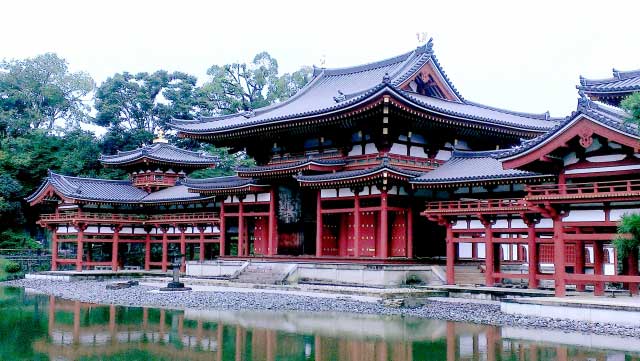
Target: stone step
(261,274)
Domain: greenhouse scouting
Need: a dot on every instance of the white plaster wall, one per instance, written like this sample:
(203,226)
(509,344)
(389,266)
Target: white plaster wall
(585,215)
(328,193)
(518,223)
(416,151)
(616,214)
(264,197)
(356,150)
(370,148)
(475,224)
(443,155)
(465,250)
(501,223)
(398,149)
(345,192)
(460,224)
(482,251)
(545,223)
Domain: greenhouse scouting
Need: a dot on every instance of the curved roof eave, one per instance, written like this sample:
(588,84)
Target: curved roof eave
(367,97)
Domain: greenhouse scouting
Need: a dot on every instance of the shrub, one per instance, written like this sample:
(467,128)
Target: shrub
(629,225)
(12,267)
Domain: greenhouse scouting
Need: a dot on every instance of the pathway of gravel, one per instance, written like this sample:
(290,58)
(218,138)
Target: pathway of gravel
(489,314)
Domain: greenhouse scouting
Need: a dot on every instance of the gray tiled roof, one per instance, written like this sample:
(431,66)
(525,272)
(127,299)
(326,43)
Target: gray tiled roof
(471,166)
(178,192)
(292,165)
(160,152)
(484,113)
(358,84)
(92,189)
(350,174)
(218,183)
(622,81)
(607,115)
(111,191)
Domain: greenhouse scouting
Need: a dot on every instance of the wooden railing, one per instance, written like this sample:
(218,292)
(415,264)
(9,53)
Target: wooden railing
(475,206)
(394,159)
(207,216)
(585,190)
(154,180)
(128,218)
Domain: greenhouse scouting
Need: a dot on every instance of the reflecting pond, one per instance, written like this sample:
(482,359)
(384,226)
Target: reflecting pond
(38,327)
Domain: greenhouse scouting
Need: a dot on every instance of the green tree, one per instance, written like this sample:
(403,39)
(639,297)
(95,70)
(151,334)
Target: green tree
(144,101)
(227,163)
(632,104)
(629,235)
(38,92)
(240,87)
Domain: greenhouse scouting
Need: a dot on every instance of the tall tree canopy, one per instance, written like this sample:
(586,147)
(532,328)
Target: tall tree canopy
(144,101)
(240,87)
(42,105)
(632,104)
(39,91)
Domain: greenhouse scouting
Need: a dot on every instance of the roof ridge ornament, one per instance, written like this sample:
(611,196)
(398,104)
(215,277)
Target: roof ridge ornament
(386,79)
(584,101)
(249,113)
(340,97)
(424,44)
(616,73)
(583,80)
(160,137)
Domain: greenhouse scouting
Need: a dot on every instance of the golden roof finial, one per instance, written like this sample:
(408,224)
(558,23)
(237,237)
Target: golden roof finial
(160,138)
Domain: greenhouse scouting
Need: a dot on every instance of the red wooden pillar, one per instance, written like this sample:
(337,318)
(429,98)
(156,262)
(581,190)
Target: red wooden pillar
(165,248)
(201,229)
(114,247)
(451,255)
(410,233)
(598,268)
(532,252)
(240,228)
(580,261)
(273,233)
(183,248)
(559,258)
(384,225)
(356,225)
(54,247)
(80,245)
(223,230)
(319,225)
(147,251)
(632,264)
(490,255)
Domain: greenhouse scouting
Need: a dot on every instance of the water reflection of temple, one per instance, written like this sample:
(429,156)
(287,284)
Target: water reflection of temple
(78,330)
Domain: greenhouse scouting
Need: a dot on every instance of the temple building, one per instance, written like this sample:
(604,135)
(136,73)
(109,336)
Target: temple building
(384,163)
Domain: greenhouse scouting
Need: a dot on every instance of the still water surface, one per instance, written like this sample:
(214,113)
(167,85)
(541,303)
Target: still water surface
(38,327)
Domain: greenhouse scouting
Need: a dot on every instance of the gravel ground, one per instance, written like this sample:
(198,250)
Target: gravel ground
(488,314)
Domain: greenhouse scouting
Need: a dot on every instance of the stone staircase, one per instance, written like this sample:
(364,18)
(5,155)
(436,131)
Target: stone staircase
(469,275)
(262,273)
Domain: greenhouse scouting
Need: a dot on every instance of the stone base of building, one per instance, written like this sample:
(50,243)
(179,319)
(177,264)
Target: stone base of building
(619,310)
(371,274)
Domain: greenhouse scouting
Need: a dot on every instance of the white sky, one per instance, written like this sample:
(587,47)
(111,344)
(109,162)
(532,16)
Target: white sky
(524,57)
